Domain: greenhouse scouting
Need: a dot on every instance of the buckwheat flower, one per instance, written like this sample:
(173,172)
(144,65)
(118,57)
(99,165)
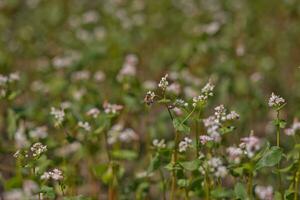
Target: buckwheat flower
(205,138)
(13,77)
(208,89)
(81,75)
(232,116)
(174,88)
(181,103)
(85,125)
(197,99)
(94,112)
(58,115)
(234,154)
(149,98)
(221,172)
(177,111)
(293,129)
(251,145)
(3,80)
(45,176)
(149,85)
(163,84)
(128,68)
(39,132)
(220,112)
(128,135)
(276,101)
(264,192)
(185,144)
(99,76)
(113,133)
(54,174)
(17,154)
(112,108)
(37,149)
(160,144)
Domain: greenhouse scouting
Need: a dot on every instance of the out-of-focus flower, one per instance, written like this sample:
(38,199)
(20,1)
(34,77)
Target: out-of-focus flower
(160,144)
(129,67)
(149,85)
(39,132)
(293,129)
(54,174)
(94,112)
(215,166)
(234,154)
(174,88)
(99,76)
(118,133)
(251,145)
(264,192)
(184,144)
(85,125)
(276,101)
(111,108)
(205,138)
(58,115)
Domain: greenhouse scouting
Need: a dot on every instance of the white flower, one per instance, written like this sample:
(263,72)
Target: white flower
(39,132)
(221,172)
(276,101)
(94,112)
(205,138)
(235,154)
(85,125)
(149,98)
(55,174)
(129,67)
(37,149)
(216,166)
(128,135)
(208,89)
(185,144)
(251,145)
(163,84)
(174,88)
(293,129)
(58,115)
(160,144)
(111,108)
(264,193)
(118,133)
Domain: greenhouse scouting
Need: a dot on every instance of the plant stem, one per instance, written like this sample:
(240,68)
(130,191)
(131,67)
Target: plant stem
(278,131)
(278,145)
(297,177)
(164,184)
(197,134)
(174,161)
(249,188)
(207,190)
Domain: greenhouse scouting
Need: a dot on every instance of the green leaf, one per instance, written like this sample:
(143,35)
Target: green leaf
(124,154)
(183,183)
(240,191)
(180,127)
(164,101)
(155,163)
(48,192)
(221,193)
(270,158)
(190,165)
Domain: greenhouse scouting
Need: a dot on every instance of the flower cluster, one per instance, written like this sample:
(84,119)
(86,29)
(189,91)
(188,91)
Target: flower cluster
(250,144)
(276,101)
(129,67)
(215,166)
(185,144)
(119,133)
(54,174)
(37,149)
(163,84)
(59,116)
(112,108)
(5,81)
(94,112)
(264,192)
(160,144)
(234,154)
(149,98)
(85,125)
(206,91)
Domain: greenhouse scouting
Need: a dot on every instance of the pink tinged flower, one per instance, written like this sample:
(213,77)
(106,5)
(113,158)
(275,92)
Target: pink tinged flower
(111,108)
(205,138)
(94,112)
(276,101)
(264,192)
(293,129)
(251,145)
(234,154)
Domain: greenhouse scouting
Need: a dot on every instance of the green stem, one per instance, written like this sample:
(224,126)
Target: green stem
(278,145)
(174,161)
(207,189)
(297,177)
(249,188)
(164,184)
(189,115)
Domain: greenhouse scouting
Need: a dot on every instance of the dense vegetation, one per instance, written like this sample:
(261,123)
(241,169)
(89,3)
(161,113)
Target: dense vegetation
(136,99)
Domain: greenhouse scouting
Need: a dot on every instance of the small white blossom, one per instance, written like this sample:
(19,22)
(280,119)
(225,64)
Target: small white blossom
(85,125)
(276,101)
(55,174)
(94,112)
(163,84)
(185,144)
(293,129)
(39,132)
(112,108)
(149,98)
(234,154)
(250,144)
(264,193)
(37,149)
(205,138)
(58,115)
(159,143)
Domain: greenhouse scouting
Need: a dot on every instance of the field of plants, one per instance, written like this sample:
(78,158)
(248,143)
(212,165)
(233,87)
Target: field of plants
(149,99)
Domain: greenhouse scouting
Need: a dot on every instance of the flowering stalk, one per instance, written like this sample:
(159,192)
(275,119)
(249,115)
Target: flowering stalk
(174,161)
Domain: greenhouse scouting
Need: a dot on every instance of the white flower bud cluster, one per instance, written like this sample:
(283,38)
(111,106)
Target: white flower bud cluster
(37,149)
(276,101)
(85,125)
(58,114)
(184,144)
(206,92)
(293,129)
(160,144)
(264,192)
(55,175)
(163,84)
